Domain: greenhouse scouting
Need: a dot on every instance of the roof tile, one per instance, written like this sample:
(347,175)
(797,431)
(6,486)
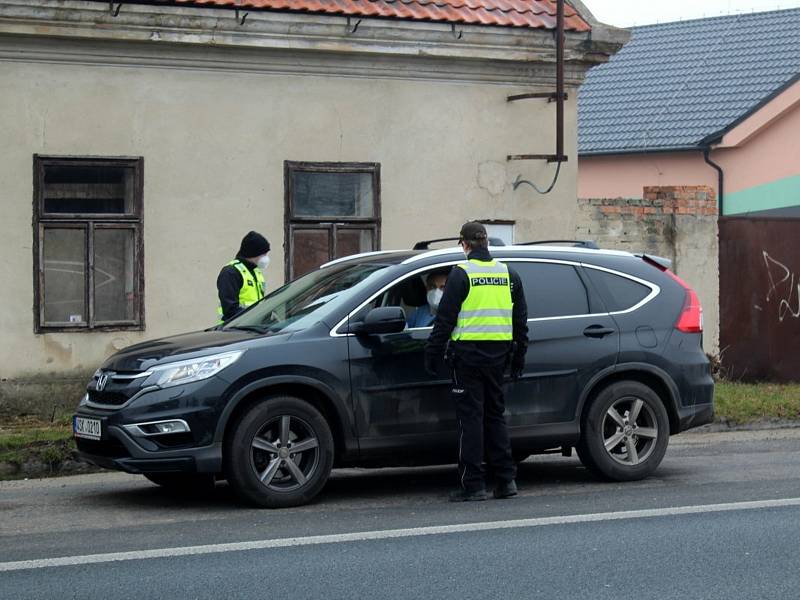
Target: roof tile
(676,84)
(536,14)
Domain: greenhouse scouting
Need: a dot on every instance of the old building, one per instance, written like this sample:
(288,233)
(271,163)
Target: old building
(144,139)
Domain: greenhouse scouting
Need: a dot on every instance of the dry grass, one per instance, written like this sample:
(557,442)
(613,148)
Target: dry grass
(745,403)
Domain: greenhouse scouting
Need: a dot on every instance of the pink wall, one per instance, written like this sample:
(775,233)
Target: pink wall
(773,153)
(625,175)
(762,149)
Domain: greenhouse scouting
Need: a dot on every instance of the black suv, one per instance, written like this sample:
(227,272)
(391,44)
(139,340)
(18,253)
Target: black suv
(325,373)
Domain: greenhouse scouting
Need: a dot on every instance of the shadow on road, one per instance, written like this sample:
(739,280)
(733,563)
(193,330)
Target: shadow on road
(355,486)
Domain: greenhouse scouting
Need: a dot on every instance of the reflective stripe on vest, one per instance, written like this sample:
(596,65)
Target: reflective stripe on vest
(252,289)
(486,314)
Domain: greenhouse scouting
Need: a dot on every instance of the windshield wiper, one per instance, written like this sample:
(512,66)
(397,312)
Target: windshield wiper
(255,328)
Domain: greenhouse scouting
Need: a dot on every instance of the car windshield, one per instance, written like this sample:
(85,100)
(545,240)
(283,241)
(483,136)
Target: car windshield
(306,300)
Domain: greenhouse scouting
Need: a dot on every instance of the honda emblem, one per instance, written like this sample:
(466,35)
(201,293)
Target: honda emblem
(101,382)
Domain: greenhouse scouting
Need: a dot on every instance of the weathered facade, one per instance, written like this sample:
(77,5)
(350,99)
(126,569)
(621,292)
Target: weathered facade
(209,118)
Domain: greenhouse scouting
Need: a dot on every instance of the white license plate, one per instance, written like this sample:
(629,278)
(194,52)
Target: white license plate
(87,428)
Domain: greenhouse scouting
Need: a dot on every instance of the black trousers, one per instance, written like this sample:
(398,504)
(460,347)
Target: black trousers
(482,430)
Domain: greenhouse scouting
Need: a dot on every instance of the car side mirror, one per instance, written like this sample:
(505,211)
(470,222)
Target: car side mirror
(385,319)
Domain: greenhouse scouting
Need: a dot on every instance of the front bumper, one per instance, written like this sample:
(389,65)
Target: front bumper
(199,405)
(120,451)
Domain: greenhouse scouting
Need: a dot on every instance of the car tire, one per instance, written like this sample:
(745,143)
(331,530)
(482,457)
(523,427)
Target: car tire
(624,432)
(183,482)
(279,453)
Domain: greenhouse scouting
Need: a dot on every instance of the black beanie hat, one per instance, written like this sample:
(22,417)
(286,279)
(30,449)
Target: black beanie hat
(253,244)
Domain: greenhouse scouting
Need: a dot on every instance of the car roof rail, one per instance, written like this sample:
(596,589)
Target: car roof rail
(425,244)
(590,244)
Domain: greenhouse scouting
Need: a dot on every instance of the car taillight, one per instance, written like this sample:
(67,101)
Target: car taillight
(691,317)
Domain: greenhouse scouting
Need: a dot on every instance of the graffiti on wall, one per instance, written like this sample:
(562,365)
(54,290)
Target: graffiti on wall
(784,288)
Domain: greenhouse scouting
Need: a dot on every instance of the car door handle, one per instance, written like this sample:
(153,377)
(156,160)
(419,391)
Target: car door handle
(598,331)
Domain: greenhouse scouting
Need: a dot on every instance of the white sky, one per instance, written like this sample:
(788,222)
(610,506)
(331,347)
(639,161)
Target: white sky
(626,13)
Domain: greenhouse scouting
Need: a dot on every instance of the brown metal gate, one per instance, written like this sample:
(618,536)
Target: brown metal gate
(760,298)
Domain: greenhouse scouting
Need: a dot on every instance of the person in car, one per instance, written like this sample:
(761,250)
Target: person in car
(425,314)
(482,320)
(241,283)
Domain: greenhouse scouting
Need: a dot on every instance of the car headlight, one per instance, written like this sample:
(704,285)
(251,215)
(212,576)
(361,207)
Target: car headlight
(188,371)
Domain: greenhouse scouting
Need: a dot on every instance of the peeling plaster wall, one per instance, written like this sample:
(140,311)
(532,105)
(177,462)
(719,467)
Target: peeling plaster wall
(214,143)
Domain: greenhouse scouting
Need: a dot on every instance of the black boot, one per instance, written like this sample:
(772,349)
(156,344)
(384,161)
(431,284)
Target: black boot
(505,489)
(462,495)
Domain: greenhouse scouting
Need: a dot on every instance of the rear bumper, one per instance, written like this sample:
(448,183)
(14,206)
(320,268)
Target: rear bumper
(694,416)
(119,451)
(696,405)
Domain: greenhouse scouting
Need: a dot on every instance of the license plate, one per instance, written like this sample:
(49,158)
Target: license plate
(86,428)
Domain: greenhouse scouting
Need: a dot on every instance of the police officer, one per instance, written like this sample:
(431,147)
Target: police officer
(482,323)
(241,283)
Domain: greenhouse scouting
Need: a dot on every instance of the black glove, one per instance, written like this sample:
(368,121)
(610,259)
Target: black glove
(517,366)
(431,364)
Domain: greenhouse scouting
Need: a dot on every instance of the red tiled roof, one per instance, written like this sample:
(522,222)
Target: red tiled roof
(538,14)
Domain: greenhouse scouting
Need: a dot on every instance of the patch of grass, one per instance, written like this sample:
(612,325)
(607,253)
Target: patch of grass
(23,432)
(32,440)
(744,403)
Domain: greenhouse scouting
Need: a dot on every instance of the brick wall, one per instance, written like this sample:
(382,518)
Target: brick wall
(676,222)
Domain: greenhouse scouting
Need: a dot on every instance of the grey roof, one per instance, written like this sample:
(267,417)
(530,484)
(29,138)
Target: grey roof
(676,84)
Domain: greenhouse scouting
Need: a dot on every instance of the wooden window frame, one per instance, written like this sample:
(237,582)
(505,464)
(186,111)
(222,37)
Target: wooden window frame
(331,223)
(89,222)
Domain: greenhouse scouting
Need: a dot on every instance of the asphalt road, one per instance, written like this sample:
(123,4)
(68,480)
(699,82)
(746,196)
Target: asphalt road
(720,519)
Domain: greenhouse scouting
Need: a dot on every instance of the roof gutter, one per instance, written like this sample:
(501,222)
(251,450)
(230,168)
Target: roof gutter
(720,179)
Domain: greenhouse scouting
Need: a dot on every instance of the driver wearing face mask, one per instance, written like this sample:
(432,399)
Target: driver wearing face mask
(425,314)
(241,282)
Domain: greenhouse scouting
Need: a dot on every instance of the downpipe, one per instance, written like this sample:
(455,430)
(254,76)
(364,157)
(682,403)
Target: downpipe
(720,179)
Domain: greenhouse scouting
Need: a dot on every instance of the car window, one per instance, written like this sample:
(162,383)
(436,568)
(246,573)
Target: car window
(619,293)
(410,294)
(308,299)
(552,290)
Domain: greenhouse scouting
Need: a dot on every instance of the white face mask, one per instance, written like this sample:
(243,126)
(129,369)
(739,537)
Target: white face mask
(263,261)
(434,297)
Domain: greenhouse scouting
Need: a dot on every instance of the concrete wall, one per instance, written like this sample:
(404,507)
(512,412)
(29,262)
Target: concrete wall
(679,223)
(214,143)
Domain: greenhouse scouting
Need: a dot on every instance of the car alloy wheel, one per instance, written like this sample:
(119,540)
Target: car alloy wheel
(624,432)
(285,453)
(278,452)
(630,431)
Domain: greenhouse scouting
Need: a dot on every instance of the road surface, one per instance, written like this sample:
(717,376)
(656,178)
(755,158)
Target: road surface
(720,519)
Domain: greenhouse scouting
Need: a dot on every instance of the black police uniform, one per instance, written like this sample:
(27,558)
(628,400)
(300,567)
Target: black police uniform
(477,370)
(229,280)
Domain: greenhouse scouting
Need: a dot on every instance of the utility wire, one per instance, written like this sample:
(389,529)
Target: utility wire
(519,181)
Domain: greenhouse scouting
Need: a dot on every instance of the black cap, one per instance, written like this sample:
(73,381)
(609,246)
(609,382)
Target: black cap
(253,244)
(472,232)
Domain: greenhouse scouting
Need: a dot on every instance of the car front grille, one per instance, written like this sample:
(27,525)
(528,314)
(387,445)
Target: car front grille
(111,389)
(108,398)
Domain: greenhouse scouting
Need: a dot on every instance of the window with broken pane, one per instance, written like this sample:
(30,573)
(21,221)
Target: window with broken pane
(88,236)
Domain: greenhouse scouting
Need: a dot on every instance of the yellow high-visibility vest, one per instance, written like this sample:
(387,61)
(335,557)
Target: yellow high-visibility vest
(486,314)
(252,289)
